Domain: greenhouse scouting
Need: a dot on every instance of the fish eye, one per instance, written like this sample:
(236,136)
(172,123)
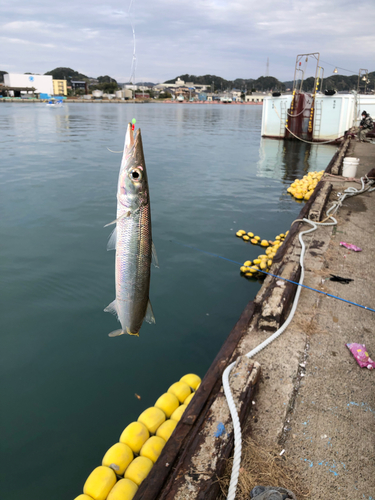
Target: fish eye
(135,174)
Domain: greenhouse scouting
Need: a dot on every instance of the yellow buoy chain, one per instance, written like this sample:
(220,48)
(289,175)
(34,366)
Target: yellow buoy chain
(127,463)
(251,269)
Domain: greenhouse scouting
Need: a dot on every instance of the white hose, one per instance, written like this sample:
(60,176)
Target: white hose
(351,191)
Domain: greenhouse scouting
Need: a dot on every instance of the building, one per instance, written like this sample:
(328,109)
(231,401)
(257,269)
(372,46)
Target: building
(59,87)
(236,95)
(41,83)
(255,97)
(79,84)
(179,84)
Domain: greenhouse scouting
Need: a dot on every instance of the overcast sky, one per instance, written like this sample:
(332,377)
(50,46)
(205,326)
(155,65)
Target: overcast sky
(231,39)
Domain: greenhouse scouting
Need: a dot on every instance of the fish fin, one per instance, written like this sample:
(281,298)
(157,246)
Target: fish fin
(130,333)
(111,245)
(116,333)
(127,214)
(154,257)
(150,318)
(112,308)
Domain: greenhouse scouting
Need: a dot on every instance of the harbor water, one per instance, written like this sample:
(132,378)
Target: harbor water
(67,389)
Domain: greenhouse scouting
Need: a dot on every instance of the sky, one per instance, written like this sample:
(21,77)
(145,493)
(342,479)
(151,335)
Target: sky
(231,39)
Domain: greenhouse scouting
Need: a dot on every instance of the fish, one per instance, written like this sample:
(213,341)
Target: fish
(132,240)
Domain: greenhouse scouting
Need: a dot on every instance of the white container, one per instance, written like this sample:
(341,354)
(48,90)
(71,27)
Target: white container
(349,168)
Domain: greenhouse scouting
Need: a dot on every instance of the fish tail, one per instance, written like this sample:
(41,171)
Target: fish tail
(116,333)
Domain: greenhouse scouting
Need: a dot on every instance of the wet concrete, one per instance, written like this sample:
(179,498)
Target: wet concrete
(313,399)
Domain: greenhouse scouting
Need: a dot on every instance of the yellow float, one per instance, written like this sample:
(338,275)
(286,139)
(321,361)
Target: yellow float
(118,457)
(302,189)
(191,379)
(181,390)
(189,398)
(99,483)
(166,429)
(152,448)
(125,489)
(177,414)
(152,418)
(168,403)
(135,435)
(138,470)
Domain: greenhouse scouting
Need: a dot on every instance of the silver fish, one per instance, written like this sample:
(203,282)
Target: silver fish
(132,240)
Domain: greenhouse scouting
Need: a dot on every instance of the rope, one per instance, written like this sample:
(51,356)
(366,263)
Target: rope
(279,277)
(304,109)
(303,140)
(310,142)
(351,191)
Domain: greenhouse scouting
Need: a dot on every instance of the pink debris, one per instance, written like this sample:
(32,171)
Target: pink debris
(349,246)
(361,355)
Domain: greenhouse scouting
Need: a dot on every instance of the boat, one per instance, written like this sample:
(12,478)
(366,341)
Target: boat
(226,99)
(316,116)
(55,103)
(180,98)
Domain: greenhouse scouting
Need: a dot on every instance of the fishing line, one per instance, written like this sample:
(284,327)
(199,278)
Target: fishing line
(117,152)
(134,59)
(275,276)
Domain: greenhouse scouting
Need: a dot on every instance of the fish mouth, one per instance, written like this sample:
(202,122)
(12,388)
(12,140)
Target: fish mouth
(133,142)
(129,138)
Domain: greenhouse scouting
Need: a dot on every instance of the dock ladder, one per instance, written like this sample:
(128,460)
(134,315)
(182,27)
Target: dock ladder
(282,118)
(317,119)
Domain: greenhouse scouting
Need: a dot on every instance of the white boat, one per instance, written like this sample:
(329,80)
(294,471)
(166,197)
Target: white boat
(180,98)
(55,103)
(314,117)
(226,99)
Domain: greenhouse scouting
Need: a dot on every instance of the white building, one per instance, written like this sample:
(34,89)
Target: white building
(255,97)
(178,84)
(41,83)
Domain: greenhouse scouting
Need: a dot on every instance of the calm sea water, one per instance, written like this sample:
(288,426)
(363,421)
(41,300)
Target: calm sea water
(67,389)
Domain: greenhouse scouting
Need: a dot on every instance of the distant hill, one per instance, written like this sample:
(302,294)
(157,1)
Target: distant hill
(68,74)
(145,84)
(217,82)
(266,83)
(336,82)
(106,79)
(262,84)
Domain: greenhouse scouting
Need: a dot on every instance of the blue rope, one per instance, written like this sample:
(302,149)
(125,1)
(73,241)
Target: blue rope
(279,277)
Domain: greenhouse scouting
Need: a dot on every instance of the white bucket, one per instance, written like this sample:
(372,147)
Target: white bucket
(349,168)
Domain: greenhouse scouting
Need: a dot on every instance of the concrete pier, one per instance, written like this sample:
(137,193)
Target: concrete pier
(304,393)
(314,400)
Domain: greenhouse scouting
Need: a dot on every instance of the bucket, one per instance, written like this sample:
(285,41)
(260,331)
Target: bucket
(349,168)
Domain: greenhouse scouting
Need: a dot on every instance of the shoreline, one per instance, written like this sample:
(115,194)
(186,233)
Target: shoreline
(123,101)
